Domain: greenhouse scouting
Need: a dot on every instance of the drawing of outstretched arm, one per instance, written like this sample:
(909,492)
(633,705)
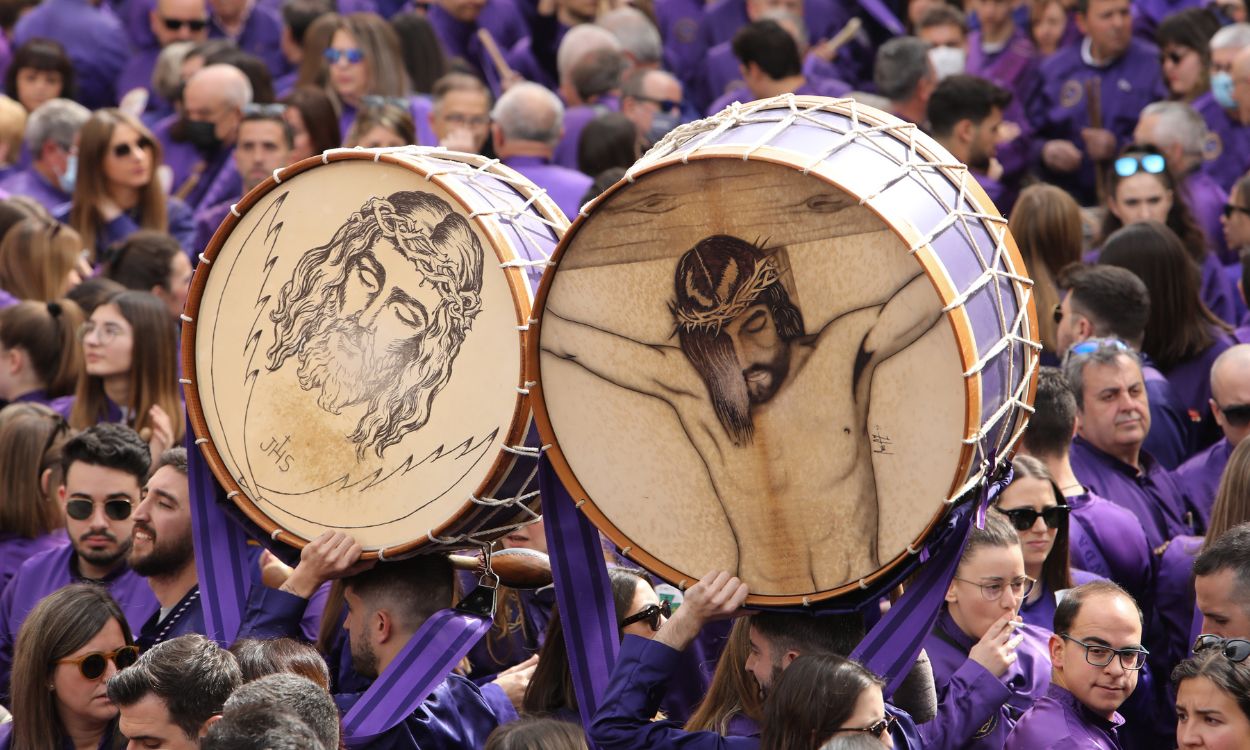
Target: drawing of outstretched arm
(907,315)
(650,369)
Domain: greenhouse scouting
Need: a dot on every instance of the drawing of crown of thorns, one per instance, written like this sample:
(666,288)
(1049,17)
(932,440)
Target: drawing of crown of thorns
(766,274)
(438,268)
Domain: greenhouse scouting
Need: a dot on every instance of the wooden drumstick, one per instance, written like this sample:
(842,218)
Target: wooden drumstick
(829,49)
(505,71)
(1093,98)
(517,568)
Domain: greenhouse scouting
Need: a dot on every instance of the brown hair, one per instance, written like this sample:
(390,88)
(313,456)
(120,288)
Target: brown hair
(25,443)
(36,257)
(996,533)
(1232,499)
(153,368)
(1179,219)
(317,112)
(398,121)
(732,691)
(536,733)
(382,56)
(92,185)
(1046,223)
(1056,570)
(312,67)
(63,622)
(47,332)
(258,658)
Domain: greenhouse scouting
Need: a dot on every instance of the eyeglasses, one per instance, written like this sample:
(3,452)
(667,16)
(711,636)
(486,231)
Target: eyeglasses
(1024,518)
(1089,346)
(650,614)
(274,109)
(877,729)
(116,509)
(1098,655)
(1056,312)
(1237,415)
(665,105)
(194,24)
(93,665)
(476,121)
(1229,208)
(1020,588)
(1234,649)
(105,333)
(122,150)
(353,55)
(1127,166)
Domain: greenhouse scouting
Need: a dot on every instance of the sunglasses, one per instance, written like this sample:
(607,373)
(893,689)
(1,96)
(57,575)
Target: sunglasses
(93,665)
(122,150)
(116,509)
(1089,346)
(1173,57)
(1238,415)
(1024,518)
(650,614)
(1127,166)
(1234,649)
(665,105)
(353,55)
(1229,208)
(194,24)
(877,729)
(1056,312)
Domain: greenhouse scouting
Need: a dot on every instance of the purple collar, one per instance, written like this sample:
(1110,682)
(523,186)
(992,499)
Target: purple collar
(1147,462)
(948,630)
(1067,699)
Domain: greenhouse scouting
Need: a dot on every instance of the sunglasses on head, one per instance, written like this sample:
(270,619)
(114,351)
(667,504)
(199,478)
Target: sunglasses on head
(194,24)
(1127,166)
(93,665)
(353,55)
(1089,346)
(650,614)
(876,729)
(122,150)
(116,509)
(1024,518)
(1234,649)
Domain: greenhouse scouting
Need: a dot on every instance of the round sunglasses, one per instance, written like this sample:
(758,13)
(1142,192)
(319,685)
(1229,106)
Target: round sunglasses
(1235,649)
(93,665)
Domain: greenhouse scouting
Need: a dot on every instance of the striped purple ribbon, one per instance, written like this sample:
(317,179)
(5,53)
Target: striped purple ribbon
(884,16)
(221,558)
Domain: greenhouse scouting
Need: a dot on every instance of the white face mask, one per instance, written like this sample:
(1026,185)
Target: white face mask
(947,61)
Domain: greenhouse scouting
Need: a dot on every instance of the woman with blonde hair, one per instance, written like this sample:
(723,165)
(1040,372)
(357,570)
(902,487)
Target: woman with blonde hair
(117,191)
(39,357)
(30,517)
(1046,224)
(41,260)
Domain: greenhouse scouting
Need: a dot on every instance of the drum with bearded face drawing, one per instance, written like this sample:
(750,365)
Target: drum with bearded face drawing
(782,346)
(353,348)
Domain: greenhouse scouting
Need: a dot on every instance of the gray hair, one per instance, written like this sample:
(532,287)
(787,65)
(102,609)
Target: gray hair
(902,63)
(56,120)
(1178,123)
(637,35)
(530,112)
(167,73)
(1107,353)
(1233,36)
(300,695)
(578,42)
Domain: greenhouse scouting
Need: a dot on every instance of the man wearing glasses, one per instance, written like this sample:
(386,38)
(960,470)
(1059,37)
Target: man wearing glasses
(171,21)
(651,99)
(104,467)
(1096,656)
(1230,404)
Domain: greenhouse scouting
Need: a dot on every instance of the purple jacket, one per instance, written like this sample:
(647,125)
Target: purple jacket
(500,17)
(49,571)
(1227,154)
(975,708)
(566,186)
(30,183)
(15,550)
(1107,540)
(454,716)
(1201,476)
(1170,424)
(261,36)
(92,36)
(1151,494)
(1011,66)
(1206,200)
(1058,721)
(575,121)
(1041,613)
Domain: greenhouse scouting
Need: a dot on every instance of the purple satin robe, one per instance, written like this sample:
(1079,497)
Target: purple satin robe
(261,35)
(1058,721)
(1201,476)
(31,184)
(454,716)
(1227,151)
(1151,494)
(1011,66)
(459,39)
(15,550)
(1107,540)
(181,225)
(565,186)
(678,22)
(575,121)
(1191,379)
(1206,200)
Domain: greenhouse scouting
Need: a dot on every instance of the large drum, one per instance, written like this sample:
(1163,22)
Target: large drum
(353,348)
(782,346)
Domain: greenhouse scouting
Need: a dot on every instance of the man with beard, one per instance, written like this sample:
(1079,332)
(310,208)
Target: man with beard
(964,114)
(103,469)
(162,551)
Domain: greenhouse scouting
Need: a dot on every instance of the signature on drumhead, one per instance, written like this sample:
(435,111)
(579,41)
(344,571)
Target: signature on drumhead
(375,317)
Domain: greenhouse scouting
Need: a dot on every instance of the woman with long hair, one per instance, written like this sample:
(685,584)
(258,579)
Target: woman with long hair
(130,370)
(1046,224)
(30,517)
(69,646)
(820,696)
(41,260)
(1184,41)
(732,704)
(117,191)
(39,358)
(311,116)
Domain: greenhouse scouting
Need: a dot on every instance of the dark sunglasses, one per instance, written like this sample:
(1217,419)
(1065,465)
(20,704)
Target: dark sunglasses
(1234,649)
(93,665)
(1127,166)
(1238,415)
(122,150)
(1024,518)
(651,614)
(353,55)
(194,24)
(665,105)
(1173,57)
(877,729)
(1056,312)
(116,509)
(1229,208)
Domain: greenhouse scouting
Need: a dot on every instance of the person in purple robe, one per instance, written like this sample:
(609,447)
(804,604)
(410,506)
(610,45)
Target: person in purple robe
(1113,420)
(595,82)
(1225,153)
(93,37)
(1222,584)
(51,135)
(965,114)
(255,29)
(1096,655)
(1230,405)
(102,471)
(652,100)
(213,103)
(41,363)
(771,65)
(170,21)
(904,75)
(525,130)
(29,518)
(1089,96)
(1000,50)
(458,22)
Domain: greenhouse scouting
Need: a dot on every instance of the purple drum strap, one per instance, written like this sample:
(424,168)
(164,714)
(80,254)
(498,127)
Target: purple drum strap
(221,559)
(425,661)
(583,593)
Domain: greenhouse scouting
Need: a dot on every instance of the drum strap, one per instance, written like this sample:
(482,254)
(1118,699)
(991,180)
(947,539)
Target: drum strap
(583,593)
(221,558)
(882,14)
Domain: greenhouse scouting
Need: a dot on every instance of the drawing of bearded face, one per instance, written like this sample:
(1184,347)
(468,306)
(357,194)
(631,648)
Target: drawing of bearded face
(376,317)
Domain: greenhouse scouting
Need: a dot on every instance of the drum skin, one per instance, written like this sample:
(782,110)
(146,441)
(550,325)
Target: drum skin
(353,348)
(782,346)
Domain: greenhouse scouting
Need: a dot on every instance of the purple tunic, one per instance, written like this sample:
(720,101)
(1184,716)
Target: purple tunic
(1108,540)
(1206,200)
(825,87)
(500,17)
(1218,292)
(179,156)
(49,571)
(1012,66)
(1151,494)
(1191,379)
(261,36)
(92,36)
(1148,13)
(1170,424)
(1058,721)
(1175,602)
(678,22)
(1227,151)
(575,121)
(15,550)
(30,183)
(187,616)
(180,220)
(975,708)
(1201,476)
(566,186)
(207,220)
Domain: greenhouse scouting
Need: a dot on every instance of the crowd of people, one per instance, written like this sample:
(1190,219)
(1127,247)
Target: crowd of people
(1104,602)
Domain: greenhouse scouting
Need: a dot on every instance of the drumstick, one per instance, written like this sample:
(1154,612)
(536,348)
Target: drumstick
(504,70)
(1093,98)
(829,49)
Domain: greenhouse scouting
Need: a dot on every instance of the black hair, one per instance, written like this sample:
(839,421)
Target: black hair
(963,97)
(190,674)
(770,47)
(112,446)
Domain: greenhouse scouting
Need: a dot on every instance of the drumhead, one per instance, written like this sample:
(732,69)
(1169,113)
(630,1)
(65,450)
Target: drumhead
(353,353)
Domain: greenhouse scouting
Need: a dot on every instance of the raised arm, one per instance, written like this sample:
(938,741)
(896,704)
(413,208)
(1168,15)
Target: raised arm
(906,316)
